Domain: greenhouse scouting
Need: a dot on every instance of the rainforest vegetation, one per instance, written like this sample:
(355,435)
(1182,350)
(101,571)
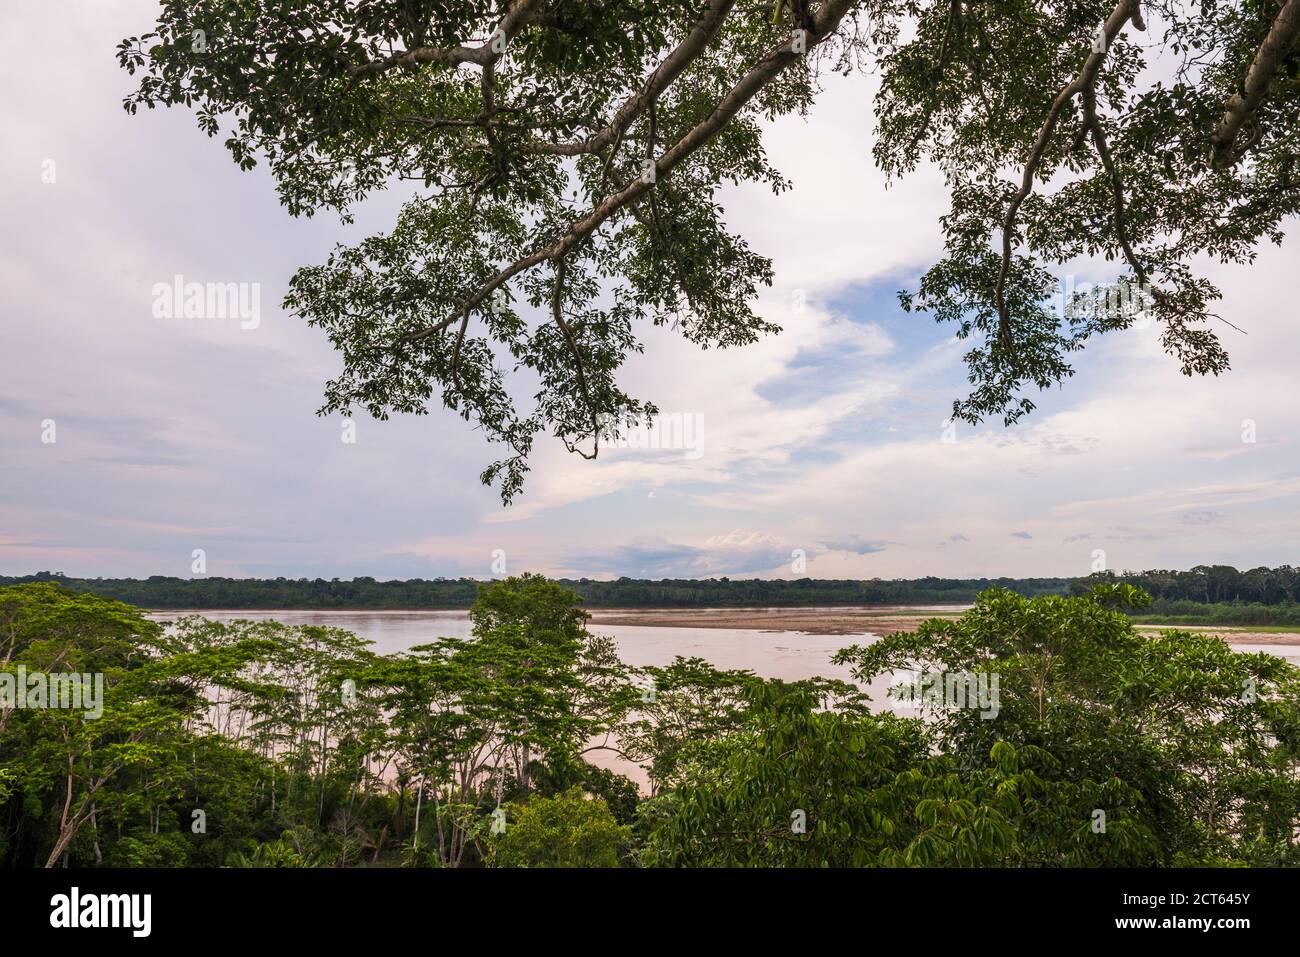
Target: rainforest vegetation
(256,744)
(1209,594)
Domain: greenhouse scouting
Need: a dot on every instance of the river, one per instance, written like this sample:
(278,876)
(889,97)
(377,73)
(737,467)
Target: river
(789,655)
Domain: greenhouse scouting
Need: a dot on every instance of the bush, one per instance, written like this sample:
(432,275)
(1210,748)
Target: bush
(568,830)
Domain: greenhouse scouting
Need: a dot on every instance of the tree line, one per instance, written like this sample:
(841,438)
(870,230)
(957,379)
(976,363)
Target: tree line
(1173,591)
(257,744)
(1212,584)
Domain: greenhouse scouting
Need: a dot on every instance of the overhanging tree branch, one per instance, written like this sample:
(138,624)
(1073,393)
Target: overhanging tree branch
(1092,123)
(490,149)
(776,59)
(516,16)
(659,80)
(557,311)
(1125,11)
(1242,105)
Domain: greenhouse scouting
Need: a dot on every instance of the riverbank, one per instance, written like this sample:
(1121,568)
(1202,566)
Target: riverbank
(824,620)
(875,620)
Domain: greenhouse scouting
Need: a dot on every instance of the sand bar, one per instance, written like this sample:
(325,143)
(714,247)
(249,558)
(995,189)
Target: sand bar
(880,620)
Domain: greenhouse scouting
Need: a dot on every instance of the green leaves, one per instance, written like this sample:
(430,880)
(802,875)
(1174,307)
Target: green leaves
(792,786)
(1108,749)
(529,131)
(1122,173)
(1171,737)
(303,748)
(531,148)
(568,830)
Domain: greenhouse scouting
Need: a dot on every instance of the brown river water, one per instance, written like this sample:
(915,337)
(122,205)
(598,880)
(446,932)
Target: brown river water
(789,655)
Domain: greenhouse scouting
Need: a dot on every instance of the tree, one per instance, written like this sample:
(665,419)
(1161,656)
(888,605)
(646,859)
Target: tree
(444,740)
(475,721)
(799,784)
(570,829)
(553,684)
(76,774)
(1103,748)
(1190,746)
(1099,746)
(683,704)
(570,156)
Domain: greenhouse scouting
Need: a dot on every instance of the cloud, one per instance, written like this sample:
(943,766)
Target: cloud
(654,557)
(176,434)
(855,544)
(398,565)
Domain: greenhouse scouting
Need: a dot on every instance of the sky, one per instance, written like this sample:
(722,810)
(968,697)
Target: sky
(130,437)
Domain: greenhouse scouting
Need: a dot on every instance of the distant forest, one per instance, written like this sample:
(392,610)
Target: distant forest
(1175,592)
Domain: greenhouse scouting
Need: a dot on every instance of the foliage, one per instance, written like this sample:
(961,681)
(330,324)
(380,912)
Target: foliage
(690,702)
(569,159)
(797,785)
(1202,739)
(1107,749)
(619,793)
(1207,585)
(248,593)
(1210,593)
(255,744)
(473,719)
(569,829)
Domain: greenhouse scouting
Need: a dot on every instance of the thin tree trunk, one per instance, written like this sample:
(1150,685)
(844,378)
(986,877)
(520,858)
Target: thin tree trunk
(94,825)
(418,800)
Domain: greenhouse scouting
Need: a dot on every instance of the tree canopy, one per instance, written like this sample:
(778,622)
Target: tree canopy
(1107,748)
(1254,596)
(256,744)
(569,157)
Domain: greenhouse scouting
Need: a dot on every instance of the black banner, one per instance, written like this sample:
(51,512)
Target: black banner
(367,906)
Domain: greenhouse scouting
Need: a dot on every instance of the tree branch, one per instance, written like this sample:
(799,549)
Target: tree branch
(515,17)
(776,59)
(1087,77)
(659,80)
(1092,123)
(557,311)
(1263,69)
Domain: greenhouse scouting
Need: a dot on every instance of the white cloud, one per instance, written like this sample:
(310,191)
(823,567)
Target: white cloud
(177,434)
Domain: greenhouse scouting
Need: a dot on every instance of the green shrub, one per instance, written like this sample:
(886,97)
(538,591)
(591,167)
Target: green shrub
(568,830)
